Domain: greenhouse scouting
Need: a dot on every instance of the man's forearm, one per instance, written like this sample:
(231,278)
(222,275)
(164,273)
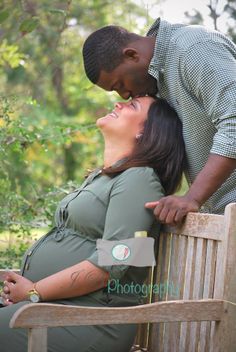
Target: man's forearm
(172,209)
(211,177)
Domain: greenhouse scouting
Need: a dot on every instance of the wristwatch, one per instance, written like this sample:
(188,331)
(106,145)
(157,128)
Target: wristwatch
(33,295)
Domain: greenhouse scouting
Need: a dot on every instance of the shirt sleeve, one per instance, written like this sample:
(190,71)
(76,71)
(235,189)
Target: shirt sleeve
(209,70)
(126,213)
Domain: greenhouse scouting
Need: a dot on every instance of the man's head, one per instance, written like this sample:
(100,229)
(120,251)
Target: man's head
(116,59)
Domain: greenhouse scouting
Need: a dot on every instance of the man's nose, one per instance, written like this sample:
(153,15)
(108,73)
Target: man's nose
(125,95)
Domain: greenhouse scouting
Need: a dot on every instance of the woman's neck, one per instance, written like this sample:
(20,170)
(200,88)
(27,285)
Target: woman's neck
(114,152)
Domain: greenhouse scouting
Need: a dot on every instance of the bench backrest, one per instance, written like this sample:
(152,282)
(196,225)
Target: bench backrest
(194,261)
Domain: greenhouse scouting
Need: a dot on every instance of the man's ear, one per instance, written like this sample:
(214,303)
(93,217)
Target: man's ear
(131,54)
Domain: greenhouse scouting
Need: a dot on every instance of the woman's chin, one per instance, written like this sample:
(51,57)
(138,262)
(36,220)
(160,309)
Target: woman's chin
(103,121)
(100,122)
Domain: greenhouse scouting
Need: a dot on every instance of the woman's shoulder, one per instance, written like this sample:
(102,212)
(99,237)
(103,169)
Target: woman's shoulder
(142,179)
(142,175)
(140,171)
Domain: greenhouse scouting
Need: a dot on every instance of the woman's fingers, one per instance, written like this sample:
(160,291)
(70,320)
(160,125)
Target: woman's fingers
(6,289)
(5,300)
(5,293)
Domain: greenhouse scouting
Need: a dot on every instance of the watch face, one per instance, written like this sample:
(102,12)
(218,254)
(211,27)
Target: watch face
(34,298)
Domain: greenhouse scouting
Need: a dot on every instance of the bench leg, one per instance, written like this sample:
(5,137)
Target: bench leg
(37,340)
(225,331)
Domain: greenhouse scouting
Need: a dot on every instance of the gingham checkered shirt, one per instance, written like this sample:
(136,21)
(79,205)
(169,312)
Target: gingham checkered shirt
(195,69)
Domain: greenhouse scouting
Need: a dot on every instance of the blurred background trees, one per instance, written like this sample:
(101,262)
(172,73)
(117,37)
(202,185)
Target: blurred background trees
(48,108)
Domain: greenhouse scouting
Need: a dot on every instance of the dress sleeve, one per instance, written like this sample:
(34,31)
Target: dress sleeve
(209,71)
(126,212)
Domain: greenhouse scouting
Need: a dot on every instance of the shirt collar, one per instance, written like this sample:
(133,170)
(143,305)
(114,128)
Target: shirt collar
(152,32)
(118,163)
(162,31)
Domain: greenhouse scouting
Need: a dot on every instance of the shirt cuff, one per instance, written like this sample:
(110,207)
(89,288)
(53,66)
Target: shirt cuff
(224,146)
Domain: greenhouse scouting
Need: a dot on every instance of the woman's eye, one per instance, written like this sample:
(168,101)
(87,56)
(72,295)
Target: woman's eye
(132,104)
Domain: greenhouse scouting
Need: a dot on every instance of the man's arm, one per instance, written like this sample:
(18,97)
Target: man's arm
(212,80)
(172,209)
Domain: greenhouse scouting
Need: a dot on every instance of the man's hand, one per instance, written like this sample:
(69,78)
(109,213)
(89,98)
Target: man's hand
(171,210)
(15,288)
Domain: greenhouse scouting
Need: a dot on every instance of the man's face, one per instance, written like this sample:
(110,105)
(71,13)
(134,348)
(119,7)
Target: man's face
(129,79)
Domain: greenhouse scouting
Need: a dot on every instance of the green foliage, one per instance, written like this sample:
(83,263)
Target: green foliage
(4,15)
(9,55)
(48,108)
(29,25)
(12,257)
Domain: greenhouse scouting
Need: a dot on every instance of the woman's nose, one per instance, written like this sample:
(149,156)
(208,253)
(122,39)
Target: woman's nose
(118,105)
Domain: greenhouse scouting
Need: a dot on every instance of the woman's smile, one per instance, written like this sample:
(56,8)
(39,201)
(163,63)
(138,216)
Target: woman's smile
(113,114)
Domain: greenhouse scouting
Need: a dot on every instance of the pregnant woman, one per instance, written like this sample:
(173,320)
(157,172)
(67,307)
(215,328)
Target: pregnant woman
(144,158)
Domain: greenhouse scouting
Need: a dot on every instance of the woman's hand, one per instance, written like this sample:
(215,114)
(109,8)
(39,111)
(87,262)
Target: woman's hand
(16,288)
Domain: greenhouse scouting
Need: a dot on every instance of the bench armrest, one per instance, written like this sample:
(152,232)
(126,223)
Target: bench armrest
(51,315)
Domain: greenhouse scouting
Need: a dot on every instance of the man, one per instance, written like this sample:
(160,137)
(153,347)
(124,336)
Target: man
(194,69)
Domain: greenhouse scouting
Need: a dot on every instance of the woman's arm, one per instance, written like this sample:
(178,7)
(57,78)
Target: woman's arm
(74,281)
(126,212)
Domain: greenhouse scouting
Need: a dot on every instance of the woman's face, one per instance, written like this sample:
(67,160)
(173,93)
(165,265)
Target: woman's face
(127,118)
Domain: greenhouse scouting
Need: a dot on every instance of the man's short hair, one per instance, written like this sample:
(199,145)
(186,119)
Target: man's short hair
(102,50)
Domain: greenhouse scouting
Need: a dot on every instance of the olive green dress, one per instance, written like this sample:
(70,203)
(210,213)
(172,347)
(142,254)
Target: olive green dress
(105,207)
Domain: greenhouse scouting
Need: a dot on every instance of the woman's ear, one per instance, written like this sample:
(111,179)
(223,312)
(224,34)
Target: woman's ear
(138,136)
(131,54)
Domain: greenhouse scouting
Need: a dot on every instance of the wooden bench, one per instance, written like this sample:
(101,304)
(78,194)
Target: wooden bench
(198,260)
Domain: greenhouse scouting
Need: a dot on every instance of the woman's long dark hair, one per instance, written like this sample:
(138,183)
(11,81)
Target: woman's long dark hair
(161,146)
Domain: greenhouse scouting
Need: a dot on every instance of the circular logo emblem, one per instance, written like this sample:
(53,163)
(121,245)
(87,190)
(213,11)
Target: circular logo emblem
(121,252)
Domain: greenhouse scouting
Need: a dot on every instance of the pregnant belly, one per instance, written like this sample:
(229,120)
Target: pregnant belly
(50,255)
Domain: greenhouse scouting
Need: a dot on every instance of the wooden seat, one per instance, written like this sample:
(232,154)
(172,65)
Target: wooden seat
(194,294)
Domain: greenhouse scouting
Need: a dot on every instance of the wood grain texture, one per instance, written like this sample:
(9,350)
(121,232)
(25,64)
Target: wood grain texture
(45,314)
(200,225)
(37,340)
